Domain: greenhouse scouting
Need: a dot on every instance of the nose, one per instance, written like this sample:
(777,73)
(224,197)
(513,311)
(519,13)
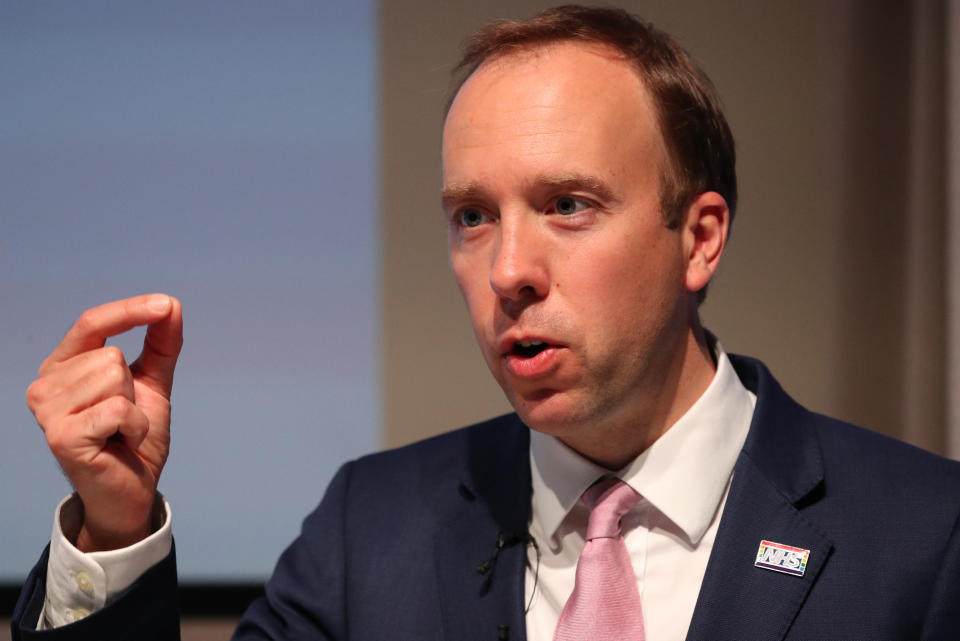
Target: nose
(519,272)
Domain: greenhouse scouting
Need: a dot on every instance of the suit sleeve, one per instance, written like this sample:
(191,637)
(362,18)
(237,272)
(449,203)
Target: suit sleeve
(943,614)
(306,596)
(147,611)
(304,599)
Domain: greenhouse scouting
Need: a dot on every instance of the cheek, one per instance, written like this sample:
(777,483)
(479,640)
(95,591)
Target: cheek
(463,271)
(475,289)
(609,276)
(621,291)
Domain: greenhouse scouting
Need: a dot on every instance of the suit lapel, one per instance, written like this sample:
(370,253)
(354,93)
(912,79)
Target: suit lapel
(738,600)
(778,473)
(492,503)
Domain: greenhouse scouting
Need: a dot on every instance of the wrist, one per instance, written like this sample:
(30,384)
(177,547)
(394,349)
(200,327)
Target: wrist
(93,534)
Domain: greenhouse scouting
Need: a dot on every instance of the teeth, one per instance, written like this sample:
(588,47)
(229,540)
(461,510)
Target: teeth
(529,343)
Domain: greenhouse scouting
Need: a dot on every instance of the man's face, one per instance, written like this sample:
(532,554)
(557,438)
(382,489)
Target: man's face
(575,287)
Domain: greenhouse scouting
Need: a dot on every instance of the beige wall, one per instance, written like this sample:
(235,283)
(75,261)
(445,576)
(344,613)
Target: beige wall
(813,282)
(191,629)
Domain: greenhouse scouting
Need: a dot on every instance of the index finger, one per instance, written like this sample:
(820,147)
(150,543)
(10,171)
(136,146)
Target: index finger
(97,324)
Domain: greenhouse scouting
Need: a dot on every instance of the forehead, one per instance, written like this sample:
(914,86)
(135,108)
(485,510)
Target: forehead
(557,106)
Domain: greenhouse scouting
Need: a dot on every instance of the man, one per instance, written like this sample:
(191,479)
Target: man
(589,188)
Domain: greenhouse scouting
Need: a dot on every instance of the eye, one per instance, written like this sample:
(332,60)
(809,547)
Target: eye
(470,217)
(567,205)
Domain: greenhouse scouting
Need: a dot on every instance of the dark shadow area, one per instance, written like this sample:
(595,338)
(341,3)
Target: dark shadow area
(196,599)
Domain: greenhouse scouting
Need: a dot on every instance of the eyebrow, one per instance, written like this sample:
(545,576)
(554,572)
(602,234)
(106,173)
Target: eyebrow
(579,182)
(454,194)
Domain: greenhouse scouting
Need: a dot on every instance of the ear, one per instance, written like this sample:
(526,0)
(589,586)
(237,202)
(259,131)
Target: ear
(705,229)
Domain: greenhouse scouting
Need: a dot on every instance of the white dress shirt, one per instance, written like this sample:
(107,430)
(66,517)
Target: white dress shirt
(79,583)
(683,479)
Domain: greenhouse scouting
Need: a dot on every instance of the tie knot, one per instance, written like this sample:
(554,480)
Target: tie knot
(608,501)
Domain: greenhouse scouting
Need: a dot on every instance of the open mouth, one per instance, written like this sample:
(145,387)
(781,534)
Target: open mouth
(531,358)
(528,349)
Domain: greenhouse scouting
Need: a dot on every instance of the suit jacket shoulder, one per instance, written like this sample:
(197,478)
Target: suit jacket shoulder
(879,519)
(393,549)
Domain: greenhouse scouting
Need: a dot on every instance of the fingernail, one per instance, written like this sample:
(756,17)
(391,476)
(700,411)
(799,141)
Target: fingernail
(158,303)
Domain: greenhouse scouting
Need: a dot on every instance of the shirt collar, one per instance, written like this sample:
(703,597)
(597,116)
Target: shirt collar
(684,474)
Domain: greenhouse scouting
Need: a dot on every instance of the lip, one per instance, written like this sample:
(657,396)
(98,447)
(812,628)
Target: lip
(537,366)
(528,367)
(505,344)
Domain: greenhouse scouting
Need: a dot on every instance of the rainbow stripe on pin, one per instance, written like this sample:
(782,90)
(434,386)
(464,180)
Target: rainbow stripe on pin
(782,558)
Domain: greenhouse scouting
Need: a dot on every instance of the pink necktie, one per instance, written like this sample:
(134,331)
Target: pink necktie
(605,603)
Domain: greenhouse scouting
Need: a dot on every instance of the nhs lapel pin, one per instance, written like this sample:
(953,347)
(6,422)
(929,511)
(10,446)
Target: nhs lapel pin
(782,558)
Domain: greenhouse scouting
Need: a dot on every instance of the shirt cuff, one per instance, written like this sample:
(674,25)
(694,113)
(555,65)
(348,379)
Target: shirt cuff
(80,583)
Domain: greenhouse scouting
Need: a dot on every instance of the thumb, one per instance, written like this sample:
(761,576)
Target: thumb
(161,347)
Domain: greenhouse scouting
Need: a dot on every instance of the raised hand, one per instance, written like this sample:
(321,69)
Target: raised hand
(107,423)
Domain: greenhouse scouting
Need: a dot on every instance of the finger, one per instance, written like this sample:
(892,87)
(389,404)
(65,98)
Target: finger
(161,347)
(132,424)
(80,382)
(82,436)
(98,324)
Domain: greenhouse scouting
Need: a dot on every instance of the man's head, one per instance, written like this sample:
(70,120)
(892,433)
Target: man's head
(583,300)
(699,144)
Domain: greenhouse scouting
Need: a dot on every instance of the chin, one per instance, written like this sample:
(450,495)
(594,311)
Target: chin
(549,412)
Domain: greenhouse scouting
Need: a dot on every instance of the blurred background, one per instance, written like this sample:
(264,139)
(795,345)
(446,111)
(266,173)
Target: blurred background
(225,153)
(276,166)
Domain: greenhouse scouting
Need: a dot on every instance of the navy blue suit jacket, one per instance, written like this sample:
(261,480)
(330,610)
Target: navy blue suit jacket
(392,551)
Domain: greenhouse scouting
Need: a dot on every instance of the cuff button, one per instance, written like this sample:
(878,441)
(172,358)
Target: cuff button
(80,613)
(84,582)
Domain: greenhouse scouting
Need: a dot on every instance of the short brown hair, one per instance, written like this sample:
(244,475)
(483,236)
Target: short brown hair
(698,140)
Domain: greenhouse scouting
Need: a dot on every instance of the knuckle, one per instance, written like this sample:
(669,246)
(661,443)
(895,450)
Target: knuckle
(115,407)
(38,402)
(35,394)
(85,322)
(92,423)
(113,355)
(114,375)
